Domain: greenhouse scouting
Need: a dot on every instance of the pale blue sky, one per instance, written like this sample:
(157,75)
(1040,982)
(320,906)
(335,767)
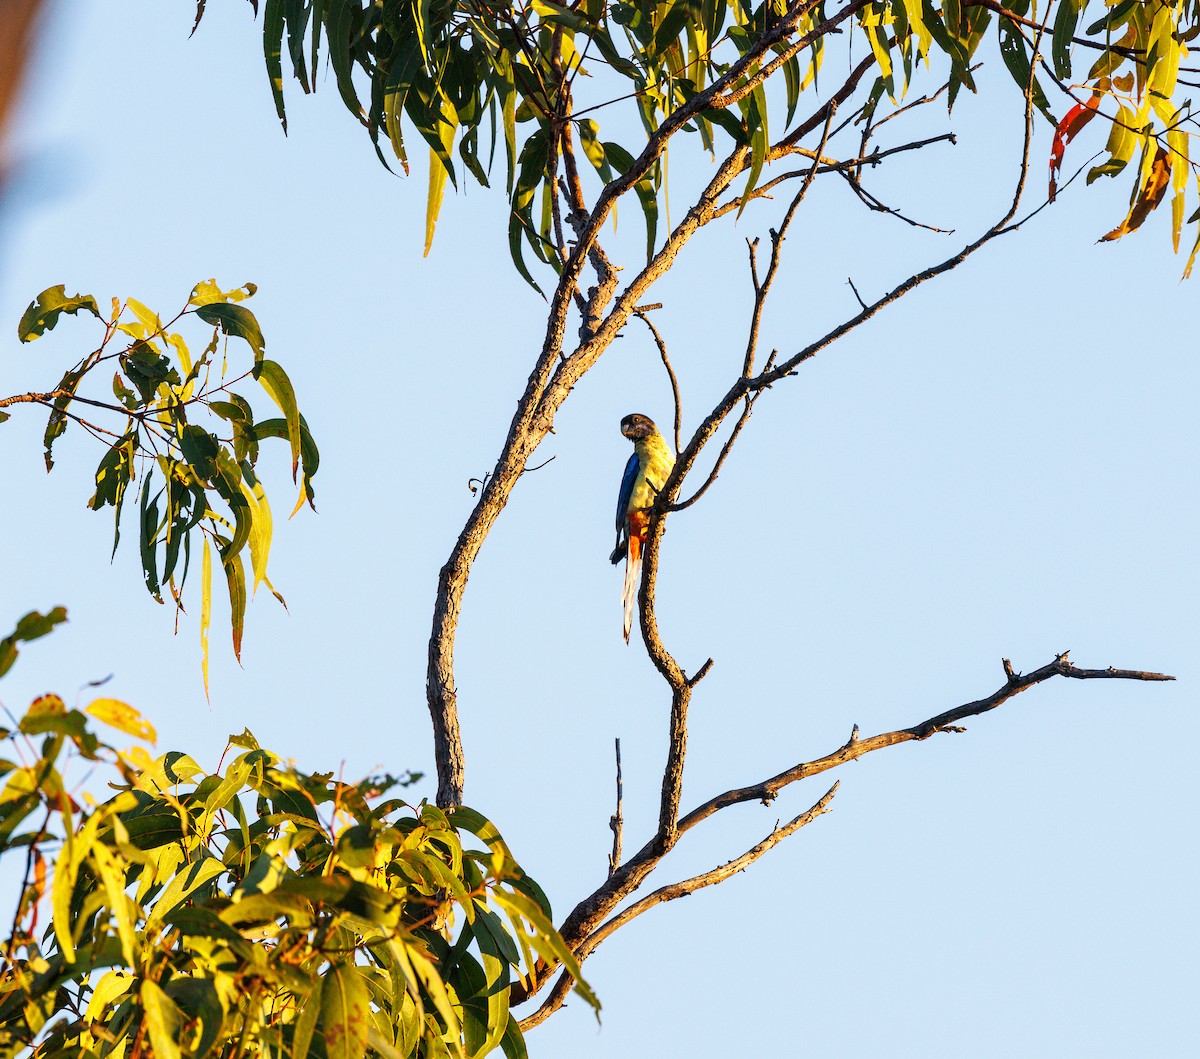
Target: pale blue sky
(1003,465)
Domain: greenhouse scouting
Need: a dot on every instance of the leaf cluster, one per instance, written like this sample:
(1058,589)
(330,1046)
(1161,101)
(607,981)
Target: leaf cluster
(182,423)
(468,75)
(1137,74)
(255,909)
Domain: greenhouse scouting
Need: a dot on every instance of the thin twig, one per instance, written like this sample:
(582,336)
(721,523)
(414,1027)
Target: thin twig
(762,290)
(640,313)
(617,820)
(747,408)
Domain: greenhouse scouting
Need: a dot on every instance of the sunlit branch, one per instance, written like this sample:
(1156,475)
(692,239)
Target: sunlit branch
(685,888)
(856,747)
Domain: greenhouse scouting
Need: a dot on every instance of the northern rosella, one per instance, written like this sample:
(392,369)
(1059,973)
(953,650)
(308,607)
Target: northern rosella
(645,474)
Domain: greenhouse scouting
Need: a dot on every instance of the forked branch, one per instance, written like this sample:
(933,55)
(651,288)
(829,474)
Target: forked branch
(592,921)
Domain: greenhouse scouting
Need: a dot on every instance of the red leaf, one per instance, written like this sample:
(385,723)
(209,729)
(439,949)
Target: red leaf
(1074,120)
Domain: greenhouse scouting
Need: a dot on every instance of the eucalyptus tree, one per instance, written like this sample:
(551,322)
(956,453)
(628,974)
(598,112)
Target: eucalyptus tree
(578,109)
(589,100)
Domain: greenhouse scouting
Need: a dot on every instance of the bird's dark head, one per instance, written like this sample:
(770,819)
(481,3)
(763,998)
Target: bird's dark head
(637,426)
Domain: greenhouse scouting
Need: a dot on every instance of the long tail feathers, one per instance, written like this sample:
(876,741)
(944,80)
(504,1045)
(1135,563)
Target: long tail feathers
(633,578)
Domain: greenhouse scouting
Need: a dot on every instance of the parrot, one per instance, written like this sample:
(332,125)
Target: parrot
(645,474)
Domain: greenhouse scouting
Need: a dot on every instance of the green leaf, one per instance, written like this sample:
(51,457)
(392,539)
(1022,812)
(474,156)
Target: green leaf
(228,483)
(311,457)
(148,369)
(513,1044)
(496,971)
(345,1012)
(44,311)
(199,1000)
(545,937)
(1016,59)
(755,112)
(162,1021)
(152,824)
(272,49)
(56,424)
(647,196)
(1065,20)
(275,381)
(185,883)
(148,531)
(235,576)
(589,139)
(235,320)
(31,627)
(307,1021)
(340,23)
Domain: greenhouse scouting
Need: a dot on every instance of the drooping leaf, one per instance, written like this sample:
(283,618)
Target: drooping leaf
(162,1020)
(1149,194)
(235,577)
(275,381)
(1065,20)
(345,1012)
(1073,121)
(56,424)
(307,1021)
(235,320)
(272,51)
(309,455)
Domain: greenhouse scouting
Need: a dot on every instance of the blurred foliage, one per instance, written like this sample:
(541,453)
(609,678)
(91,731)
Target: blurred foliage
(193,479)
(254,910)
(470,74)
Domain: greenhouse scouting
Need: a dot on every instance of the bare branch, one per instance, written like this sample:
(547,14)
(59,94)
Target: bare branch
(872,202)
(587,917)
(708,878)
(701,673)
(685,888)
(856,747)
(617,821)
(762,290)
(640,313)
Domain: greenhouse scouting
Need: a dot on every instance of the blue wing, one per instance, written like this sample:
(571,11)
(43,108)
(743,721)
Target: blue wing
(627,480)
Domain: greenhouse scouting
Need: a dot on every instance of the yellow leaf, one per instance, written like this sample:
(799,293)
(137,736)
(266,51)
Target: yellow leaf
(260,529)
(123,717)
(47,704)
(138,757)
(1153,187)
(437,171)
(1187,271)
(437,190)
(205,611)
(149,319)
